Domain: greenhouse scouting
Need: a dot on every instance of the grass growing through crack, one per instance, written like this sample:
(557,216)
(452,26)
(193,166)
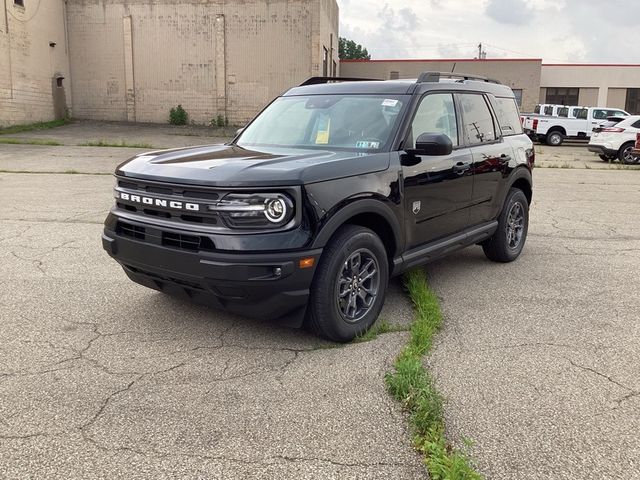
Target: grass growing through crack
(121,143)
(34,126)
(412,385)
(27,141)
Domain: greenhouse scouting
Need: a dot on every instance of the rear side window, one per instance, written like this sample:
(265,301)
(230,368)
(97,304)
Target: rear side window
(508,116)
(537,109)
(581,113)
(636,124)
(563,112)
(600,114)
(548,110)
(477,119)
(436,114)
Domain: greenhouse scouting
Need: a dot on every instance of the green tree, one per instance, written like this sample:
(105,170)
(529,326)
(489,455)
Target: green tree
(350,50)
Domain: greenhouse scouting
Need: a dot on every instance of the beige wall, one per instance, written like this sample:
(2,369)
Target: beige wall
(617,98)
(135,59)
(605,78)
(28,64)
(522,74)
(588,96)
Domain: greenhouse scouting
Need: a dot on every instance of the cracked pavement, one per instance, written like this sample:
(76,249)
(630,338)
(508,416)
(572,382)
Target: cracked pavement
(539,360)
(103,378)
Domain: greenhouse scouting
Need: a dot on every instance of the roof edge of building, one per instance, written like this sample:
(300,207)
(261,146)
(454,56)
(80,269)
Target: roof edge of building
(361,60)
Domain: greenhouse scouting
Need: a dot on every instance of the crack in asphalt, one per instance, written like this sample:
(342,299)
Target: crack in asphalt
(632,392)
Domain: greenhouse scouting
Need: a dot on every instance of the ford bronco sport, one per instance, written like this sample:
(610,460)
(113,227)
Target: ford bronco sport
(332,189)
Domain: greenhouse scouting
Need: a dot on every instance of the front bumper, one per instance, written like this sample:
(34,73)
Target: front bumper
(256,285)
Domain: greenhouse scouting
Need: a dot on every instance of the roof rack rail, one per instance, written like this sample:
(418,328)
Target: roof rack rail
(319,80)
(434,77)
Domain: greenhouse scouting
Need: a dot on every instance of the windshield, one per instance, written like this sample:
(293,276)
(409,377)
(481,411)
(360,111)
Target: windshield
(355,122)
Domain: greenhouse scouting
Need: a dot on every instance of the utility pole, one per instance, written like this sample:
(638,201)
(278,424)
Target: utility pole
(482,54)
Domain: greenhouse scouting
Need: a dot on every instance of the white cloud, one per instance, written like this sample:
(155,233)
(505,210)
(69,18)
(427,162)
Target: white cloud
(554,30)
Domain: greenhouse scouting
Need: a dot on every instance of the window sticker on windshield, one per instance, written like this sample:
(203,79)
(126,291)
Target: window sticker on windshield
(322,137)
(389,102)
(367,144)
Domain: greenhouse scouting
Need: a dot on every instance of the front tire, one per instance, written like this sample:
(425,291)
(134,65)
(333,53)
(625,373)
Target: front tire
(349,286)
(507,242)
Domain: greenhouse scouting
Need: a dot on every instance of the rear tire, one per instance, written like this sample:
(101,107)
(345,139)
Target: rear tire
(555,138)
(507,242)
(349,286)
(624,154)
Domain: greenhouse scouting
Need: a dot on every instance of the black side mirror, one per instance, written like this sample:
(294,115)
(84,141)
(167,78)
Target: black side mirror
(435,144)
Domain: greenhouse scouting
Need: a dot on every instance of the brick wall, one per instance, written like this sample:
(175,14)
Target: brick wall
(135,59)
(28,64)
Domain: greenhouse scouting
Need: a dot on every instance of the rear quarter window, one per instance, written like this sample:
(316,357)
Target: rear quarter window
(508,116)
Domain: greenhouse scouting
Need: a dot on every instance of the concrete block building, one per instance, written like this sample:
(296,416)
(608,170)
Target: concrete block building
(133,60)
(597,85)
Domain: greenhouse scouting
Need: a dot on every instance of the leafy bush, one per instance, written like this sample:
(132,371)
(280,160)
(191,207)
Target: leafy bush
(219,121)
(178,116)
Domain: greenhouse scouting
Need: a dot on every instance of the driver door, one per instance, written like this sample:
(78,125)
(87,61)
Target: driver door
(438,189)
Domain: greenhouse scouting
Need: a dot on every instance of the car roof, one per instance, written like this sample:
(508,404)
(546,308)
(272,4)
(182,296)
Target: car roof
(398,87)
(627,120)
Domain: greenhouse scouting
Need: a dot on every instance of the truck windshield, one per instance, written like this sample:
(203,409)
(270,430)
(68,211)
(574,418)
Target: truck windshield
(355,122)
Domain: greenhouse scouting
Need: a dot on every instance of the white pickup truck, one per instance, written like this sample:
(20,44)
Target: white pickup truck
(555,130)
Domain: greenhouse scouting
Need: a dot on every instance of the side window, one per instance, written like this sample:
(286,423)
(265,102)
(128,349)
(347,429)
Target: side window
(477,119)
(436,114)
(599,114)
(508,116)
(636,124)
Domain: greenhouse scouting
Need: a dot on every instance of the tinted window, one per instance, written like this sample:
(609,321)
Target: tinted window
(563,96)
(548,110)
(636,124)
(517,92)
(600,114)
(436,114)
(563,112)
(581,113)
(352,122)
(508,116)
(477,119)
(537,109)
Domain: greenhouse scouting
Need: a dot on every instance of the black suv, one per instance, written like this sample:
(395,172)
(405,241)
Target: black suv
(333,188)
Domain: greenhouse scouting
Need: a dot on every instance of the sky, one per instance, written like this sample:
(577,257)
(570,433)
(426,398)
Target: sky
(558,31)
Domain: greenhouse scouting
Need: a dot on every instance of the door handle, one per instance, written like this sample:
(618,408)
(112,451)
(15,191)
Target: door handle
(461,167)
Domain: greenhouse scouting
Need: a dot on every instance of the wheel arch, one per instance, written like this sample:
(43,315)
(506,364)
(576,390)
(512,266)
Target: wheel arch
(521,179)
(557,128)
(372,214)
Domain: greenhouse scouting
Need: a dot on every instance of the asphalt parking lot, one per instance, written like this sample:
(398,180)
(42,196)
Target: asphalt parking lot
(102,378)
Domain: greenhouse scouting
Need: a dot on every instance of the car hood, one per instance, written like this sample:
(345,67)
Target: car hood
(234,166)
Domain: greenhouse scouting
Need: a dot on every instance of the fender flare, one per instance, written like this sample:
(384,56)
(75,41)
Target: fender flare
(521,172)
(356,207)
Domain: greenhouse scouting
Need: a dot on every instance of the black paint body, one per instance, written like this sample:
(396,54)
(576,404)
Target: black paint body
(459,195)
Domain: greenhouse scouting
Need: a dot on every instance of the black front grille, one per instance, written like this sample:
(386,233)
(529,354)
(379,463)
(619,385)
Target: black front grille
(152,235)
(180,193)
(129,230)
(186,242)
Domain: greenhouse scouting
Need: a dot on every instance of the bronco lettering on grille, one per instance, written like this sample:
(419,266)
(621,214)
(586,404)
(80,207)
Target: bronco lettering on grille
(159,202)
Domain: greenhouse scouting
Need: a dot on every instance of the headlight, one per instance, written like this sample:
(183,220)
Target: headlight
(254,210)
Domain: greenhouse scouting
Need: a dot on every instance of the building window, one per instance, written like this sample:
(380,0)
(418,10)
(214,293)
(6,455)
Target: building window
(325,61)
(394,75)
(518,94)
(19,2)
(633,101)
(563,96)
